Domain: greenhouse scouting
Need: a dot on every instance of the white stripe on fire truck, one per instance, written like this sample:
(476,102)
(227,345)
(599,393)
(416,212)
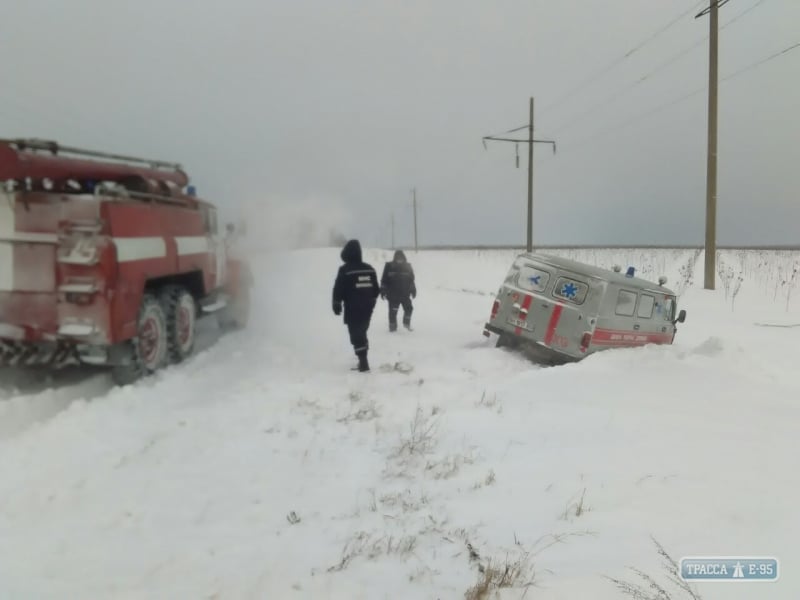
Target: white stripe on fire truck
(7,226)
(6,267)
(140,248)
(192,245)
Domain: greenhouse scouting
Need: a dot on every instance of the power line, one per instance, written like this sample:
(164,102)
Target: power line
(650,74)
(614,63)
(741,14)
(685,97)
(761,62)
(624,57)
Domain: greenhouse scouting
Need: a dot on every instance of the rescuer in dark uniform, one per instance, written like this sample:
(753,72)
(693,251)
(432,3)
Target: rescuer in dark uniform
(356,286)
(398,287)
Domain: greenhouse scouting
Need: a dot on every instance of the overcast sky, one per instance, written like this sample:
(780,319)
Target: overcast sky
(338,108)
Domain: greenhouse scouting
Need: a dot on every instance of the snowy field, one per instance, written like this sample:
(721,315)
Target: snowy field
(264,468)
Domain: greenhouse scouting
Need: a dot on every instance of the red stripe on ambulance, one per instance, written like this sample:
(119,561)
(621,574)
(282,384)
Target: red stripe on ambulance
(553,324)
(612,337)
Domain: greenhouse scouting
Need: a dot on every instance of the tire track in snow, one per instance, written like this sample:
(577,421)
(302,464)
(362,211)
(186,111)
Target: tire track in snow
(30,396)
(40,401)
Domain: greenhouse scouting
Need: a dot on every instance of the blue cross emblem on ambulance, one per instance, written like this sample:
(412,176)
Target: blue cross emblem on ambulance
(569,290)
(534,279)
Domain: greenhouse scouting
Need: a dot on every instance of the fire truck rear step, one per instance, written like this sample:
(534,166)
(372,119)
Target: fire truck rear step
(77,288)
(214,306)
(77,329)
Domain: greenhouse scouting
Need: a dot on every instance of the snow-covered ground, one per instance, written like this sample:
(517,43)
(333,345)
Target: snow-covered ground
(265,468)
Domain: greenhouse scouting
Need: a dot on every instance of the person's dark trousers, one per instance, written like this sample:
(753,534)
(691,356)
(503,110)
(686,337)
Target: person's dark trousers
(394,305)
(358,337)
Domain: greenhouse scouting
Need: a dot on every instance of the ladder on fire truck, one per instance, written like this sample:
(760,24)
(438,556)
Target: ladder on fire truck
(56,149)
(32,159)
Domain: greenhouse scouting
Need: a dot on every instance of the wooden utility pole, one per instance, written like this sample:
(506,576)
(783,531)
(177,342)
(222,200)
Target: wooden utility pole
(530,141)
(711,165)
(416,244)
(530,180)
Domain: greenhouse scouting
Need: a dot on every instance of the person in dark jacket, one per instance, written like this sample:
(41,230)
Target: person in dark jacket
(356,287)
(398,287)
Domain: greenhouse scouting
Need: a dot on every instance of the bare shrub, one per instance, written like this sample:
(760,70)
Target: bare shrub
(367,412)
(517,571)
(419,442)
(421,436)
(551,539)
(447,467)
(652,589)
(487,401)
(687,273)
(508,574)
(792,282)
(367,545)
(406,500)
(486,481)
(494,574)
(737,285)
(575,507)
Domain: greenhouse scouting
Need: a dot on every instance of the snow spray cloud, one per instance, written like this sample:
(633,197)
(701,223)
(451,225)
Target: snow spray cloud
(281,223)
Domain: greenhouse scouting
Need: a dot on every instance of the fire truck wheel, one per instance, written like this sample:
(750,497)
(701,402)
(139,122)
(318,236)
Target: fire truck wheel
(148,351)
(181,315)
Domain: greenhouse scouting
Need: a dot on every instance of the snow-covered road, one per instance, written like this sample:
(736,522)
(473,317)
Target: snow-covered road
(265,468)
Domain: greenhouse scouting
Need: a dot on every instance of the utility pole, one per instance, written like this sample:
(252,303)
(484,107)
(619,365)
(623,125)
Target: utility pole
(530,179)
(392,231)
(416,245)
(711,165)
(530,141)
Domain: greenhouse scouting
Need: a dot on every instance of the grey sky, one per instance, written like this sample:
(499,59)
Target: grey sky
(341,107)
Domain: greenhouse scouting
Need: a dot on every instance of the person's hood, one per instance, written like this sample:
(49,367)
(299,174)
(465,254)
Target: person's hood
(351,253)
(398,255)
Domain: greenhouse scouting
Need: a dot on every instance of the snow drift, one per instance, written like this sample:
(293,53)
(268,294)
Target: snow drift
(265,468)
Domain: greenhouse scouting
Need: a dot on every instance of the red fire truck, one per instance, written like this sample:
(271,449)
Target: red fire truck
(107,260)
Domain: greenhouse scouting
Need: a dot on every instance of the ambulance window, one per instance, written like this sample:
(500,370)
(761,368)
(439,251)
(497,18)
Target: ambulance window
(570,290)
(626,303)
(532,279)
(646,304)
(669,309)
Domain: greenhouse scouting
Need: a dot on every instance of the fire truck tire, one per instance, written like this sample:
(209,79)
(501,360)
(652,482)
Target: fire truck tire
(147,352)
(180,312)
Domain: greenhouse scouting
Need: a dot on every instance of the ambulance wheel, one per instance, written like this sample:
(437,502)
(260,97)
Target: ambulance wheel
(180,312)
(147,352)
(506,341)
